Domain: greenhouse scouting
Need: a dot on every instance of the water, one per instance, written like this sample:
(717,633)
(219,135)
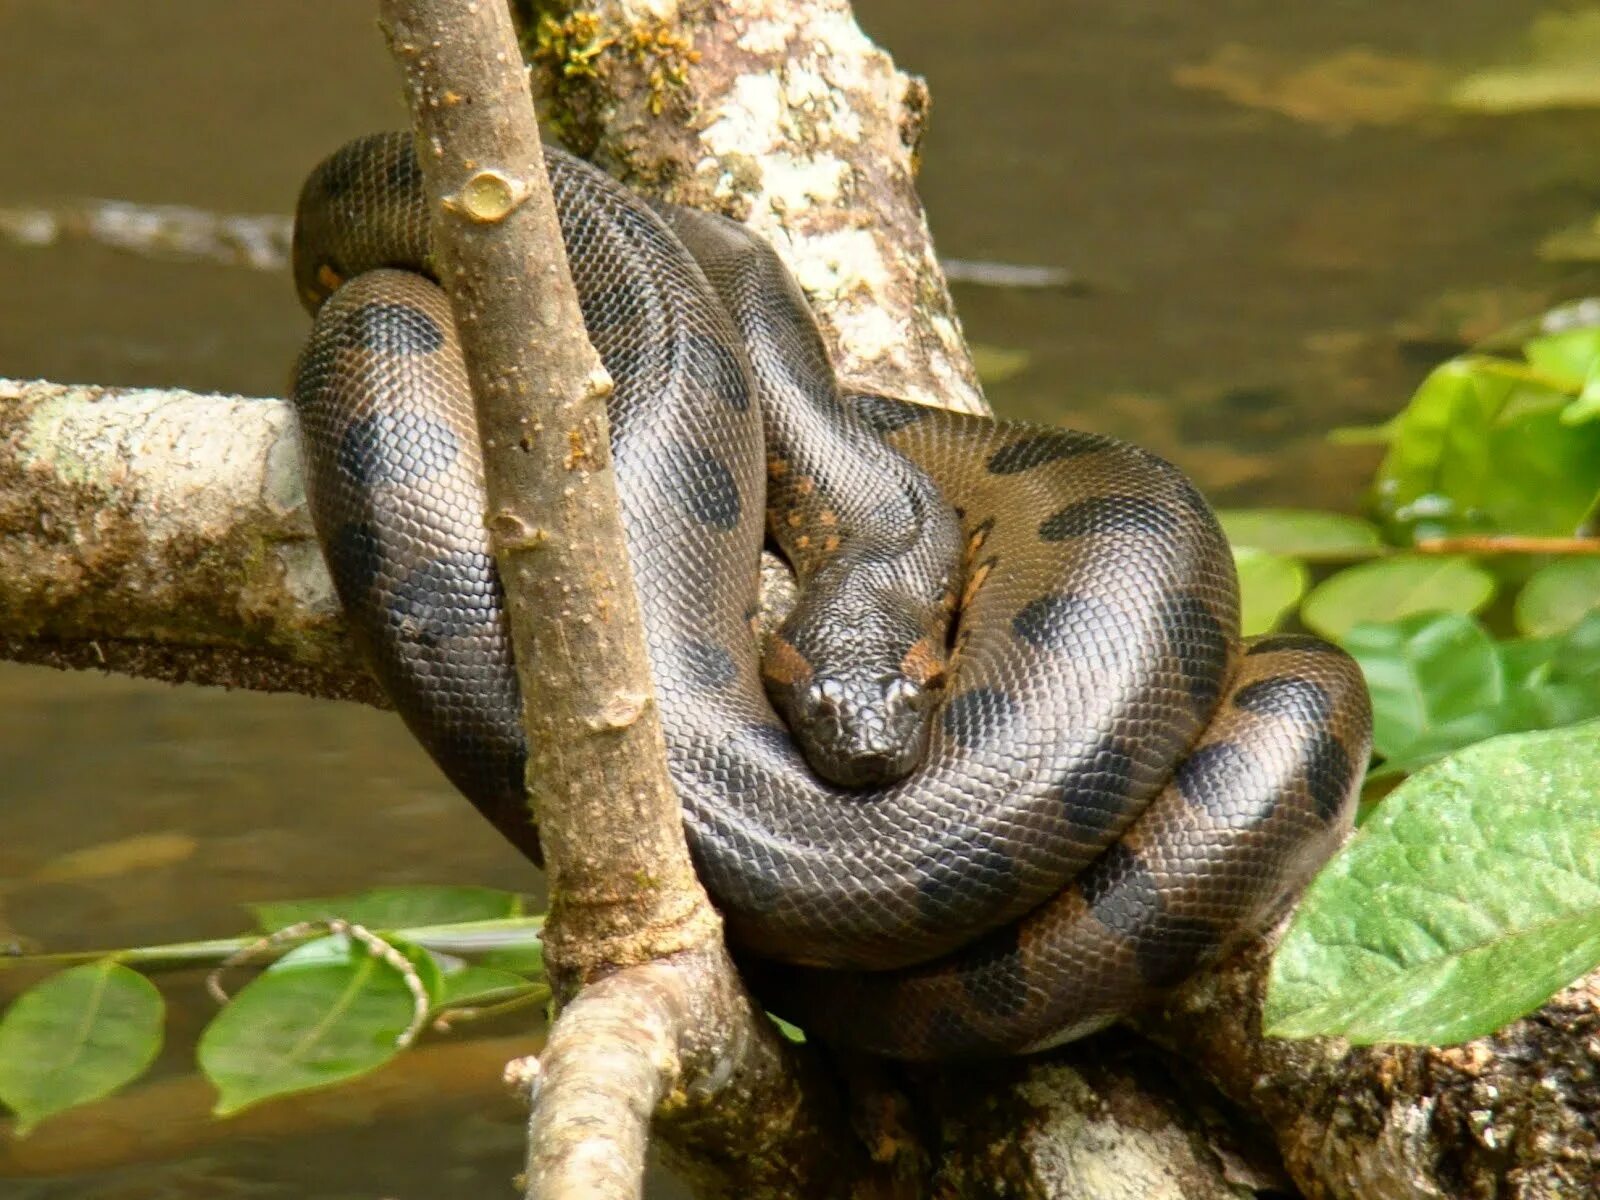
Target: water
(1245,272)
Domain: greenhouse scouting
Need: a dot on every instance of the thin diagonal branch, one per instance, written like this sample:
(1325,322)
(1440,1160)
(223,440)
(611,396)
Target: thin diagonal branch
(674,1020)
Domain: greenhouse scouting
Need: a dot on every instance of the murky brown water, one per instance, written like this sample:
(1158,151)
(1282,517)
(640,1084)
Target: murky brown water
(1246,267)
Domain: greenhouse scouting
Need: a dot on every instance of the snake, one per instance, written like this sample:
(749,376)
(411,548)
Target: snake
(1106,787)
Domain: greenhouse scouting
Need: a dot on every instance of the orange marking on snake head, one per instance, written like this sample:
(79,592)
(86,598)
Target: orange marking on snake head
(805,485)
(976,580)
(830,543)
(783,664)
(803,542)
(827,518)
(923,664)
(777,468)
(978,537)
(794,520)
(328,278)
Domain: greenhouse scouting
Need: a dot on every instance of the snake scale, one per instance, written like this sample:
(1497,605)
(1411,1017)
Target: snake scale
(1107,788)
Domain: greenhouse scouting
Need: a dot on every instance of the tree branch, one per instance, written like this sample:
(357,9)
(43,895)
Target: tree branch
(623,890)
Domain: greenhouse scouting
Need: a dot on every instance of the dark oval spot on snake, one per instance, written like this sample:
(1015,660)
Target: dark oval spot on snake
(951,1026)
(1292,641)
(706,487)
(1063,621)
(1199,643)
(453,596)
(883,414)
(402,174)
(1285,696)
(390,327)
(1098,515)
(390,447)
(1329,774)
(341,171)
(1121,892)
(1036,449)
(1125,896)
(1096,796)
(973,717)
(1228,783)
(992,973)
(356,561)
(956,873)
(1175,949)
(710,665)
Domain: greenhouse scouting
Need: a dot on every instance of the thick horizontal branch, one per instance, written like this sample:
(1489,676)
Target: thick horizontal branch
(165,534)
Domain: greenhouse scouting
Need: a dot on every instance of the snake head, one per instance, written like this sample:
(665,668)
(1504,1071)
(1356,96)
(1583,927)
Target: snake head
(859,728)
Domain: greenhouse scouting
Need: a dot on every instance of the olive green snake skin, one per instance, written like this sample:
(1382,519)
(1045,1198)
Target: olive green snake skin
(1109,788)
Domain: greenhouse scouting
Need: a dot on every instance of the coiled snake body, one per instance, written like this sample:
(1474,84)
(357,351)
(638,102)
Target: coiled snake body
(1114,788)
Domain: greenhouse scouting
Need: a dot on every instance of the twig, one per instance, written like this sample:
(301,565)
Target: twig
(1491,543)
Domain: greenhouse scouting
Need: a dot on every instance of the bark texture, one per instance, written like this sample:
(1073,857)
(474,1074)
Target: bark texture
(1513,1116)
(786,117)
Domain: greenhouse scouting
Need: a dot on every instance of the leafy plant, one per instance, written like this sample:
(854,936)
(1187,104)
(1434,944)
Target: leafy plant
(1470,897)
(329,1008)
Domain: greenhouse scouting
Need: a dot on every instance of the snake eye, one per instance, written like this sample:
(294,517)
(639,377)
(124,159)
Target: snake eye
(825,697)
(901,693)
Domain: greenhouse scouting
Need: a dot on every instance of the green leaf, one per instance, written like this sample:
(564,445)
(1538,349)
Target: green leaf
(1437,683)
(1270,585)
(76,1037)
(1391,588)
(306,1023)
(473,986)
(1569,358)
(1468,898)
(1300,532)
(394,907)
(1559,596)
(1483,448)
(793,1032)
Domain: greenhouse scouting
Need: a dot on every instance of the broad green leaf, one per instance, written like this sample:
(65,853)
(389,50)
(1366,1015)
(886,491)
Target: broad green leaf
(1270,585)
(76,1037)
(1482,448)
(1468,898)
(1300,532)
(1586,407)
(1391,588)
(1569,358)
(471,986)
(394,907)
(1436,681)
(513,944)
(304,1025)
(336,948)
(1559,596)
